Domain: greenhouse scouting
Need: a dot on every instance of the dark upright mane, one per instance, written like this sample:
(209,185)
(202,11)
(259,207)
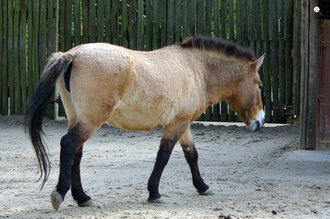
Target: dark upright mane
(219,45)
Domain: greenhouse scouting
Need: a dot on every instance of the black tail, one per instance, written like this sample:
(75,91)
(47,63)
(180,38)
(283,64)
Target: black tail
(44,93)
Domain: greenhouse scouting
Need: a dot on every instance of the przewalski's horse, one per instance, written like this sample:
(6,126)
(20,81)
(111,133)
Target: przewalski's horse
(166,88)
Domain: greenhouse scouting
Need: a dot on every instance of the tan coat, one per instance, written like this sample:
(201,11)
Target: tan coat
(146,90)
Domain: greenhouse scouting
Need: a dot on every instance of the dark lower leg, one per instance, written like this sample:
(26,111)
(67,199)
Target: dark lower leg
(191,156)
(163,155)
(69,145)
(77,190)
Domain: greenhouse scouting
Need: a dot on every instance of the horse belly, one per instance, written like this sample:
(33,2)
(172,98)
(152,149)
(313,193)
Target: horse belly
(131,118)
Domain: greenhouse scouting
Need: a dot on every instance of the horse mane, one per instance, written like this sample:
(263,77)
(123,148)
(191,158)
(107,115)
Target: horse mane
(219,45)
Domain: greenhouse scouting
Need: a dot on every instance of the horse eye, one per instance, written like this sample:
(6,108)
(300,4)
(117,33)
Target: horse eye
(260,87)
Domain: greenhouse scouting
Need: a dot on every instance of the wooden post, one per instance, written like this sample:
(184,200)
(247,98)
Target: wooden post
(4,57)
(149,30)
(1,33)
(85,20)
(124,26)
(140,26)
(22,55)
(17,86)
(309,67)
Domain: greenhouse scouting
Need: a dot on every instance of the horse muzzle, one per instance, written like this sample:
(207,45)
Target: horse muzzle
(258,122)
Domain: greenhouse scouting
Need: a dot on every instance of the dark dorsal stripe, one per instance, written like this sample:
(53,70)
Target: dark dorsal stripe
(219,45)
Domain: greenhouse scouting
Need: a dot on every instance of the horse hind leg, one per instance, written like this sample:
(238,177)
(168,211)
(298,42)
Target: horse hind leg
(70,156)
(191,155)
(77,190)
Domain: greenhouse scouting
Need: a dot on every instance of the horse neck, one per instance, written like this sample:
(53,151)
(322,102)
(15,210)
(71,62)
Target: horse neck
(222,75)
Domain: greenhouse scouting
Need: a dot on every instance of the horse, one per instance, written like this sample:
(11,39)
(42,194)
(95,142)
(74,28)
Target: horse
(167,88)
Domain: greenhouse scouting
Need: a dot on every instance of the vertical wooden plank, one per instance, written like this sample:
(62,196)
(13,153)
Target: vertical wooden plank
(288,46)
(91,20)
(266,65)
(42,35)
(149,31)
(274,62)
(252,30)
(132,24)
(223,31)
(77,22)
(208,18)
(239,38)
(107,20)
(85,16)
(22,55)
(297,61)
(281,61)
(163,21)
(200,17)
(114,22)
(4,57)
(100,21)
(140,26)
(68,25)
(312,71)
(185,18)
(36,14)
(192,18)
(30,49)
(155,27)
(1,52)
(258,29)
(245,24)
(52,26)
(61,25)
(178,18)
(231,20)
(17,87)
(124,26)
(51,42)
(301,18)
(216,18)
(11,63)
(170,22)
(42,41)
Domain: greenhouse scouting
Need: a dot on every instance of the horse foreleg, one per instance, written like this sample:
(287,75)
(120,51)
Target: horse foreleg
(77,190)
(171,134)
(191,155)
(163,155)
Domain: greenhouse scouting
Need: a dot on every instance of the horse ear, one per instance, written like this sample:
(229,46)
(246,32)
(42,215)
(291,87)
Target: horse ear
(260,61)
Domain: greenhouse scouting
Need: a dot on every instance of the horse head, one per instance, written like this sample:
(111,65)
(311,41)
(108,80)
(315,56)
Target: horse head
(246,99)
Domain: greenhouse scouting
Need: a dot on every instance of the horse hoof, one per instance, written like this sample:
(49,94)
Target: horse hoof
(88,203)
(56,199)
(207,192)
(156,201)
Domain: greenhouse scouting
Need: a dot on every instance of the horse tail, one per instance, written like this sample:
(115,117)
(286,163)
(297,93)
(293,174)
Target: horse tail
(57,64)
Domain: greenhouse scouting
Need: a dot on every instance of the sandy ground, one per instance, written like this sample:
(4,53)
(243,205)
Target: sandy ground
(253,174)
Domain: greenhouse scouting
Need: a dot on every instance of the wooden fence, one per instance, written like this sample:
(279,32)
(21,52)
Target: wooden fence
(31,30)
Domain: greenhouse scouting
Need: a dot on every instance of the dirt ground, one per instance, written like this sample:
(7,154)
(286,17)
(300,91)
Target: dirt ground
(253,174)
